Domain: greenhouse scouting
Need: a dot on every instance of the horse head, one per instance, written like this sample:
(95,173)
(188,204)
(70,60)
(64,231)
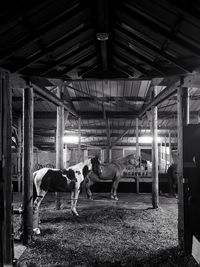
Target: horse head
(96,166)
(133,160)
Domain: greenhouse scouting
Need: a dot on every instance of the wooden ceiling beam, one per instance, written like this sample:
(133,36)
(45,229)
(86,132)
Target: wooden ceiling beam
(86,70)
(122,69)
(111,114)
(127,61)
(70,38)
(51,130)
(83,48)
(105,135)
(163,95)
(127,15)
(186,8)
(109,98)
(126,35)
(69,16)
(142,58)
(50,96)
(83,60)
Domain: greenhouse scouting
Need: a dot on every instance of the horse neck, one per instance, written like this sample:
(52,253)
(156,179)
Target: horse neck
(83,163)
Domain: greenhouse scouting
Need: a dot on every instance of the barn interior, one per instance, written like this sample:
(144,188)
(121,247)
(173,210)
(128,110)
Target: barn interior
(109,66)
(113,63)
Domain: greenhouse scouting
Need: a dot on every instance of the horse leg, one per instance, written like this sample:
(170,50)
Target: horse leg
(114,188)
(74,198)
(36,205)
(88,184)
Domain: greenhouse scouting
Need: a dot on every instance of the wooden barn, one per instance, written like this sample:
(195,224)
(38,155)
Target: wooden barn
(83,78)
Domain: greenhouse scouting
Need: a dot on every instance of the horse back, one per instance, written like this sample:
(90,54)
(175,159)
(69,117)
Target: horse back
(109,170)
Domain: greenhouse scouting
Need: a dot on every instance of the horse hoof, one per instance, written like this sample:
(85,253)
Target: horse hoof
(36,231)
(75,213)
(116,198)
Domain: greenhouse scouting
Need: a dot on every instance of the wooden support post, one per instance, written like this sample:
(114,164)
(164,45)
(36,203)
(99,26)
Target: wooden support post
(65,165)
(79,139)
(59,142)
(170,148)
(137,152)
(108,140)
(27,164)
(65,149)
(85,154)
(6,242)
(19,154)
(1,173)
(155,185)
(102,156)
(183,119)
(110,154)
(166,154)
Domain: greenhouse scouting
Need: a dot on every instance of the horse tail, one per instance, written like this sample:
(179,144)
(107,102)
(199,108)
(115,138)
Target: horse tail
(83,183)
(34,187)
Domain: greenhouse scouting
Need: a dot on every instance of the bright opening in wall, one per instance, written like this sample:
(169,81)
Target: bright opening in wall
(148,139)
(70,139)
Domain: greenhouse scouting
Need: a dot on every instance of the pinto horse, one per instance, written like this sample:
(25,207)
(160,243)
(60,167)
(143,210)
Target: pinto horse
(110,171)
(69,180)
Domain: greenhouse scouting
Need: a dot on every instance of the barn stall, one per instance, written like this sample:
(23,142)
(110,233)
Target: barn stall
(113,79)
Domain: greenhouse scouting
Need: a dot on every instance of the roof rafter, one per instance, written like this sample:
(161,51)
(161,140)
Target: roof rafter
(131,36)
(73,36)
(70,15)
(127,16)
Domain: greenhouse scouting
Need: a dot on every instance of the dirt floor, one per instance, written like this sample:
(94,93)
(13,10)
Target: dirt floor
(107,233)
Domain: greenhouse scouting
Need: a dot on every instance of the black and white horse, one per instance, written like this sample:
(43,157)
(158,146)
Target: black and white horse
(69,180)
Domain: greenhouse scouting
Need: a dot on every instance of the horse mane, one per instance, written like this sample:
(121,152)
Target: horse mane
(127,160)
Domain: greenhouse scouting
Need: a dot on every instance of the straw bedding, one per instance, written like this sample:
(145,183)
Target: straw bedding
(106,236)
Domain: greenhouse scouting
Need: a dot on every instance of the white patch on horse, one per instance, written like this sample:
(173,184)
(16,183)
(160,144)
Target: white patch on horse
(73,175)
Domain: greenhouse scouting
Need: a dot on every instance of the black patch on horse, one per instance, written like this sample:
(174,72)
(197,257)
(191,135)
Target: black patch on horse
(70,174)
(54,181)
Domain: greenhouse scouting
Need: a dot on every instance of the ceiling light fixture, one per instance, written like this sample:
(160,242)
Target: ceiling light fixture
(102,36)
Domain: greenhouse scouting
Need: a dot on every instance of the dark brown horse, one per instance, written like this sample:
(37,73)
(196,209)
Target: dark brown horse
(172,179)
(111,171)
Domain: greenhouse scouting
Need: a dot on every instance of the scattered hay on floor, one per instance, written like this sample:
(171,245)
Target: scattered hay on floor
(107,236)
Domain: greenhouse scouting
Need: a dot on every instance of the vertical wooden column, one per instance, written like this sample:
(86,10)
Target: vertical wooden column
(166,154)
(65,149)
(85,154)
(59,142)
(27,164)
(137,152)
(6,245)
(102,155)
(19,154)
(155,185)
(79,139)
(108,140)
(137,138)
(1,174)
(183,119)
(110,154)
(170,147)
(65,156)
